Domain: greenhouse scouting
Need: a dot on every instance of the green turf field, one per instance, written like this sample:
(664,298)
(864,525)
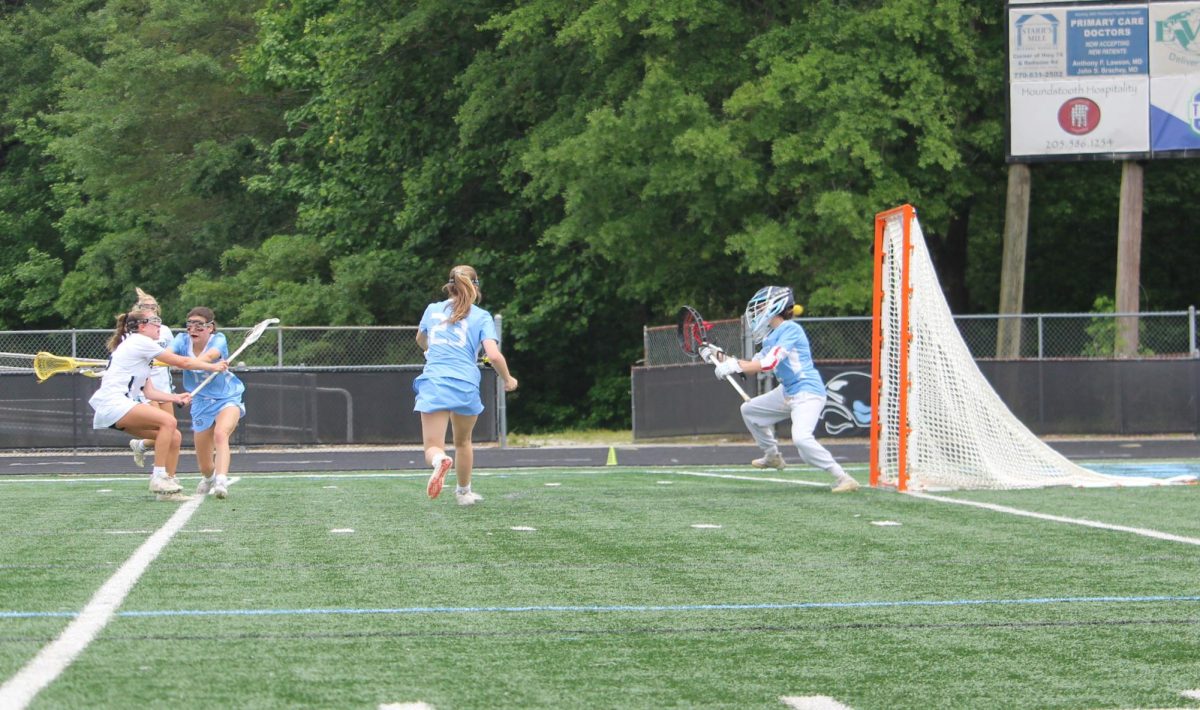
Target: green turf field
(606,588)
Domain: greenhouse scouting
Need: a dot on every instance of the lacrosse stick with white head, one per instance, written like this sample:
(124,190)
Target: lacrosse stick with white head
(251,337)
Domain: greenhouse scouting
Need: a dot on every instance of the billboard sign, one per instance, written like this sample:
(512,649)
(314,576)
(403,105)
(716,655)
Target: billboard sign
(1103,80)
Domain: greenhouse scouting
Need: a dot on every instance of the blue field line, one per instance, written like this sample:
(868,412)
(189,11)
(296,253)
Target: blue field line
(1157,469)
(618,608)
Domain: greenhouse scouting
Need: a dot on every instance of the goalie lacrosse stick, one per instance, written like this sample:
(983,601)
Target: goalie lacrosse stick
(693,340)
(251,337)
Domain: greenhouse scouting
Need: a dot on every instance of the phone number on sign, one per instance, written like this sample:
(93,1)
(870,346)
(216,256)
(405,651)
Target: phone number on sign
(1080,144)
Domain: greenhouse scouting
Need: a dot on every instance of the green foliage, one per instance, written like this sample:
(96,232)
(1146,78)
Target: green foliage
(151,134)
(601,163)
(1104,339)
(32,284)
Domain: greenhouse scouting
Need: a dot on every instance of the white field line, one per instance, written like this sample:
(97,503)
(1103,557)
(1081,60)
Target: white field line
(557,472)
(735,477)
(507,472)
(812,702)
(19,690)
(1145,532)
(75,479)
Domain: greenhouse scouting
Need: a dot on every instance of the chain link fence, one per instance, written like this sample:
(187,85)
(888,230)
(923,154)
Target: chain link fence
(305,385)
(337,348)
(1168,334)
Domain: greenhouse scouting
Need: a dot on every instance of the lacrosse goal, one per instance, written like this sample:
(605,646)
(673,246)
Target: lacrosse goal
(937,422)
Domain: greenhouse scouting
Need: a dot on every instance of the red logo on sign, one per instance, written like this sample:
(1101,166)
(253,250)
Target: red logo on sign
(1079,116)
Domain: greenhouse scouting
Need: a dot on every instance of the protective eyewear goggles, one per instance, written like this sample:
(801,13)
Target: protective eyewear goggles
(197,324)
(152,320)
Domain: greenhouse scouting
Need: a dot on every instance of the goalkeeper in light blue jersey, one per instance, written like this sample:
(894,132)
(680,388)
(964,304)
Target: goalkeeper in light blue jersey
(447,391)
(800,396)
(216,409)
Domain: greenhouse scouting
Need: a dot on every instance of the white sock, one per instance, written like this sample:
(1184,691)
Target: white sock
(222,478)
(159,471)
(459,490)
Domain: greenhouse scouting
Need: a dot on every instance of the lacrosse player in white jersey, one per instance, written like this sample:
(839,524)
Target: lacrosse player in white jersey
(134,346)
(801,392)
(217,409)
(159,375)
(451,333)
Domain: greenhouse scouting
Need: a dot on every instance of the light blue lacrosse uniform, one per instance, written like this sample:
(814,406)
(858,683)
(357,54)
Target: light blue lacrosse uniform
(795,370)
(450,380)
(800,397)
(225,390)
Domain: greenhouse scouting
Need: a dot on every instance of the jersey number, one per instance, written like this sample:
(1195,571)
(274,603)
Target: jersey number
(444,333)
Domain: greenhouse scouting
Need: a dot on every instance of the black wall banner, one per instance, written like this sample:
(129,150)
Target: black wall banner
(1120,397)
(283,407)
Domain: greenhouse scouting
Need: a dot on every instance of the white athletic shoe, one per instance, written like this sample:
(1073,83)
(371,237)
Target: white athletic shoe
(220,487)
(770,461)
(205,485)
(845,485)
(441,466)
(139,452)
(468,498)
(164,484)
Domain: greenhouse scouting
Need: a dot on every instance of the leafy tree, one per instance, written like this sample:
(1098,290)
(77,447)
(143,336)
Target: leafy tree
(155,137)
(34,38)
(600,163)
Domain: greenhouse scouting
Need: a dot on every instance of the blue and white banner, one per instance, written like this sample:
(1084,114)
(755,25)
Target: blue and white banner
(1107,41)
(1175,113)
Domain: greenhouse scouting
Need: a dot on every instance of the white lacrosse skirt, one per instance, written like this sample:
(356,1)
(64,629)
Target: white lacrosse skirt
(110,411)
(128,368)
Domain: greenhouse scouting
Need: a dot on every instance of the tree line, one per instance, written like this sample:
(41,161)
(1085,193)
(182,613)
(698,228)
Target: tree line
(599,163)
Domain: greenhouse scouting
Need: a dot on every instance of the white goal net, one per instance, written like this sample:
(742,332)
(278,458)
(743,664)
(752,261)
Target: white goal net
(947,428)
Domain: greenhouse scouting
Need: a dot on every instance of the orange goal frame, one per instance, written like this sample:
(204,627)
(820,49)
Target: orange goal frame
(877,295)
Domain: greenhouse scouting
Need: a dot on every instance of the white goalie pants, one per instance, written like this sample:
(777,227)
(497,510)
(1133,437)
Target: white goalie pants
(762,413)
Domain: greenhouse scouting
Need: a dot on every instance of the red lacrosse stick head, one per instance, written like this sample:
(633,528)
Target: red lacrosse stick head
(692,330)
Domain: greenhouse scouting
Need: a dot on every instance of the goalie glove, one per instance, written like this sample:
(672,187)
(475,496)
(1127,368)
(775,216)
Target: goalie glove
(727,367)
(711,353)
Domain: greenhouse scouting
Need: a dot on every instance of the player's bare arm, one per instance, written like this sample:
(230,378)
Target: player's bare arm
(492,349)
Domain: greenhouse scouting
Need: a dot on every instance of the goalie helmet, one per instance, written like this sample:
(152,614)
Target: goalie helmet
(767,303)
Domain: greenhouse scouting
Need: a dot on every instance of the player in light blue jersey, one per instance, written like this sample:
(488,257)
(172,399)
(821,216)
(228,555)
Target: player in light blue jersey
(216,409)
(451,333)
(134,347)
(801,392)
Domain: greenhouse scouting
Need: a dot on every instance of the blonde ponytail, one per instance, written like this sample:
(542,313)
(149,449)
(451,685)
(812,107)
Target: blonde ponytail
(463,289)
